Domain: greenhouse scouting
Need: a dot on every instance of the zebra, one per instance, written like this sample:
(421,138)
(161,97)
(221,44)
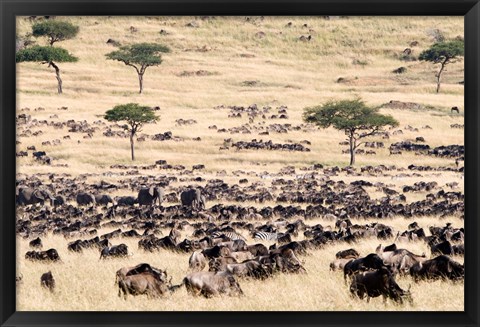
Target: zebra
(231,235)
(266,236)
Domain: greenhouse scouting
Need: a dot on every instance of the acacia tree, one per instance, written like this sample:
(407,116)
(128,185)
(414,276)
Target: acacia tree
(443,53)
(135,116)
(55,30)
(354,117)
(139,56)
(46,55)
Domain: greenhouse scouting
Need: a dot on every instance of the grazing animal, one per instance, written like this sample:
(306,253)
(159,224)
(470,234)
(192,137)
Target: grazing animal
(347,254)
(84,198)
(142,279)
(440,267)
(193,198)
(376,283)
(455,109)
(103,199)
(231,235)
(148,196)
(126,201)
(36,243)
(49,255)
(114,251)
(266,236)
(26,195)
(210,284)
(339,264)
(197,261)
(371,261)
(47,281)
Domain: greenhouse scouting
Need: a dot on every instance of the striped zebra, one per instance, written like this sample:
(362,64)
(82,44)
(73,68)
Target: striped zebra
(231,235)
(266,236)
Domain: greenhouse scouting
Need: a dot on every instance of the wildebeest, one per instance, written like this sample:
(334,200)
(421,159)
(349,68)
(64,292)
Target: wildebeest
(210,284)
(441,248)
(376,283)
(103,199)
(125,201)
(455,109)
(36,243)
(339,264)
(371,261)
(197,261)
(439,267)
(49,255)
(84,198)
(120,250)
(47,281)
(347,254)
(142,279)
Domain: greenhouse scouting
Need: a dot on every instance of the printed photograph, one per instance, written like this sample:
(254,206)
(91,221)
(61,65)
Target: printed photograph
(240,163)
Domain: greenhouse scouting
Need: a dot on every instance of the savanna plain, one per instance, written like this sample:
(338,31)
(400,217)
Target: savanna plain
(264,65)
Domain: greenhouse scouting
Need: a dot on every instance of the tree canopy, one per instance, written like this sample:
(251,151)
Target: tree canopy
(352,116)
(44,54)
(135,116)
(139,56)
(55,30)
(443,53)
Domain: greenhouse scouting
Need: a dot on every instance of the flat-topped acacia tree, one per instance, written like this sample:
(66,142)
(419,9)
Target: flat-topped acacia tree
(354,117)
(46,55)
(55,30)
(443,53)
(139,56)
(135,116)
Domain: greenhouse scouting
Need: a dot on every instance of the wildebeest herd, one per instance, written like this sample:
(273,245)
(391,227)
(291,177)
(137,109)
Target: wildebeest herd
(220,255)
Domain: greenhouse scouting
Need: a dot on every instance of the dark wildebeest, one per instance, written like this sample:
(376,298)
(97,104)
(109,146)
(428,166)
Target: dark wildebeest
(371,261)
(347,254)
(257,249)
(47,281)
(209,284)
(142,279)
(36,243)
(49,255)
(84,198)
(376,283)
(125,201)
(441,248)
(114,251)
(455,109)
(439,267)
(103,199)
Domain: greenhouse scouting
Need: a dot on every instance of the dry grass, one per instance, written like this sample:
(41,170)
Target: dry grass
(363,50)
(86,283)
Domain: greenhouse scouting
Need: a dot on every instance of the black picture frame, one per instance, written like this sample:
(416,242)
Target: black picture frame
(9,9)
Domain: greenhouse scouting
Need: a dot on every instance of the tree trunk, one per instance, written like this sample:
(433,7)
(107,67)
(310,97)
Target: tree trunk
(131,146)
(439,75)
(352,150)
(57,72)
(140,81)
